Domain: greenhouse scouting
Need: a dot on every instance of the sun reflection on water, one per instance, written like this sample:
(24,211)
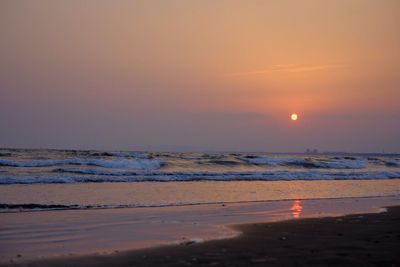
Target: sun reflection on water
(296,209)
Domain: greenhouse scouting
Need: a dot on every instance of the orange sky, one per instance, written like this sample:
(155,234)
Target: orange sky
(188,74)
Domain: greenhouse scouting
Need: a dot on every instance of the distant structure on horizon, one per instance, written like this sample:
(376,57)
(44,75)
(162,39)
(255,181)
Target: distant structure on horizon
(312,151)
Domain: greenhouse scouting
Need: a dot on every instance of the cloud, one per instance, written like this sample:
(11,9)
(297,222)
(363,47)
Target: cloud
(290,68)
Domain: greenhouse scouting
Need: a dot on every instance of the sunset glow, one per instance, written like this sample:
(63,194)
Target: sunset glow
(124,121)
(197,75)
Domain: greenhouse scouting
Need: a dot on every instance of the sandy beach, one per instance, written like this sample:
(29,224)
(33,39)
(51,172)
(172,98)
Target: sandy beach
(352,240)
(234,234)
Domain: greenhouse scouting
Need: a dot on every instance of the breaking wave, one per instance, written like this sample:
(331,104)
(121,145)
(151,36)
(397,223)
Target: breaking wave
(74,166)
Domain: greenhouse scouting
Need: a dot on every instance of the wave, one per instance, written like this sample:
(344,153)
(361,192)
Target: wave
(326,163)
(199,176)
(220,162)
(139,164)
(392,163)
(94,172)
(266,161)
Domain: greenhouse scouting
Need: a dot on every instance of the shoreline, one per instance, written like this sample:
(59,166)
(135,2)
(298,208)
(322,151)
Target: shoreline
(357,239)
(36,236)
(133,195)
(180,205)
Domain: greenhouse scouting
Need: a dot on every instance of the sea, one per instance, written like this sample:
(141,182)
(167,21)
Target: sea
(42,179)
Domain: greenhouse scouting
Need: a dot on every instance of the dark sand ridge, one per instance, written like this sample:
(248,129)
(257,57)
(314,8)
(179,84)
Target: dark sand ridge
(353,240)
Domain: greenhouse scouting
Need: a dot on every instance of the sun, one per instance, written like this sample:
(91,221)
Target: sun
(294,117)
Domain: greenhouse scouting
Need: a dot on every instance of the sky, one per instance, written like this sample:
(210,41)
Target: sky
(200,75)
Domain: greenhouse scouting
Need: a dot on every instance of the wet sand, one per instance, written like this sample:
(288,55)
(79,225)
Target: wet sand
(353,240)
(48,234)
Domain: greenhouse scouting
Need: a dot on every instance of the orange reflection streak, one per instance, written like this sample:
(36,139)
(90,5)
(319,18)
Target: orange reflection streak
(296,209)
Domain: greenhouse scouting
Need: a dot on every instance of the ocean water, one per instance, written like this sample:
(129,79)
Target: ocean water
(72,179)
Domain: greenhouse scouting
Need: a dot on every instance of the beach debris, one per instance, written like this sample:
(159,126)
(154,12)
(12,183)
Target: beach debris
(189,242)
(283,238)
